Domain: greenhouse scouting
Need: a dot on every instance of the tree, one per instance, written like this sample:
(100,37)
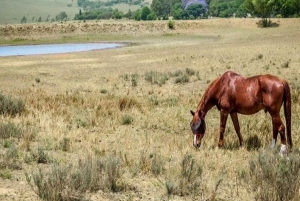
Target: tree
(177,11)
(137,15)
(163,8)
(221,8)
(283,8)
(151,16)
(261,8)
(145,12)
(117,14)
(129,14)
(23,20)
(193,11)
(62,16)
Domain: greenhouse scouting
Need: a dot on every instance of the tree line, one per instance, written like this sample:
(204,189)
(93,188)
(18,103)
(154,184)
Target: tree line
(163,9)
(183,9)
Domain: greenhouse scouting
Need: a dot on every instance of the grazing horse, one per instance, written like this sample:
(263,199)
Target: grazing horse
(233,94)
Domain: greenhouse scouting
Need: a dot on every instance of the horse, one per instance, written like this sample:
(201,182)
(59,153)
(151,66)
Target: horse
(232,93)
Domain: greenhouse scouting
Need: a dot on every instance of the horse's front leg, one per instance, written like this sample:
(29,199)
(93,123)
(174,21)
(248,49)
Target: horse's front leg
(223,120)
(235,121)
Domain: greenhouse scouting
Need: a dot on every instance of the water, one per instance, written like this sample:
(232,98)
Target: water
(53,48)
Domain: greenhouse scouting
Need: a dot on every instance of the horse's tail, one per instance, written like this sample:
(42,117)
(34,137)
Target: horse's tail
(287,103)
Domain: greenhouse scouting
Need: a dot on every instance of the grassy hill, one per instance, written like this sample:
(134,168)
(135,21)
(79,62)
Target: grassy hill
(12,11)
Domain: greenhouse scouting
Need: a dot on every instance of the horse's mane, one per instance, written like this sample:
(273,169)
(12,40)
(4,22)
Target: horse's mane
(207,95)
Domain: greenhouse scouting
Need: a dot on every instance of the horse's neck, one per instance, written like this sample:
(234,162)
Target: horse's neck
(206,103)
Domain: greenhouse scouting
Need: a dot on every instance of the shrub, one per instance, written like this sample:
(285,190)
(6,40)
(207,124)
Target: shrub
(103,91)
(188,181)
(65,144)
(285,64)
(274,177)
(72,181)
(5,174)
(41,156)
(10,159)
(157,164)
(155,77)
(190,71)
(128,103)
(37,80)
(259,56)
(150,163)
(10,106)
(184,78)
(126,120)
(8,130)
(171,24)
(134,80)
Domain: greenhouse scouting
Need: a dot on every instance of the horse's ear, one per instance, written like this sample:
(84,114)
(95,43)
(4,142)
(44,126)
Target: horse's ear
(193,113)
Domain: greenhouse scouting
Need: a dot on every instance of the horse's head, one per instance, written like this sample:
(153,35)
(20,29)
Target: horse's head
(198,127)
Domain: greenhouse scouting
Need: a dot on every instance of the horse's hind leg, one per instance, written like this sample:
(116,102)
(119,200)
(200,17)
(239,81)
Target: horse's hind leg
(278,126)
(235,121)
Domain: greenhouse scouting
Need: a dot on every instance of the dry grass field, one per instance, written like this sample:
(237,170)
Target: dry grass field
(114,124)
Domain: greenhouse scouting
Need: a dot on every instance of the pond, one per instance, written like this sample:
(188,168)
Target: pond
(24,50)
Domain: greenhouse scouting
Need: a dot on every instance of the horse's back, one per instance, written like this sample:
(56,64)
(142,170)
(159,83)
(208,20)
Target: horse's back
(248,95)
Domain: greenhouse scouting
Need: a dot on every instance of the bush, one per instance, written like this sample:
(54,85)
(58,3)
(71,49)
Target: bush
(8,130)
(5,174)
(65,144)
(188,181)
(9,106)
(134,80)
(150,163)
(184,78)
(72,181)
(156,77)
(171,24)
(126,120)
(128,103)
(103,91)
(10,159)
(274,177)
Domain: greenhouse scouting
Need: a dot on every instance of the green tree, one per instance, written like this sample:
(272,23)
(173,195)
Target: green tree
(193,11)
(129,14)
(145,12)
(261,8)
(177,11)
(221,8)
(163,8)
(117,14)
(23,20)
(284,8)
(151,16)
(61,16)
(137,15)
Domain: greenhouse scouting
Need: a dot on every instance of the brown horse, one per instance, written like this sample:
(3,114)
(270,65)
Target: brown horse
(233,94)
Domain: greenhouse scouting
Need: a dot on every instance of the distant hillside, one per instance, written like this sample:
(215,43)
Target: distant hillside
(12,11)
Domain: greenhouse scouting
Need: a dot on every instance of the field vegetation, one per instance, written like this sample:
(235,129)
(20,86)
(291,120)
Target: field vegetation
(114,124)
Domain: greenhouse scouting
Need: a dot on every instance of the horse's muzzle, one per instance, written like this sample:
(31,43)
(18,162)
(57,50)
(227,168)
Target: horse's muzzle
(197,140)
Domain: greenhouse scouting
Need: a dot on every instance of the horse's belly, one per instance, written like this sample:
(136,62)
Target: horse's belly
(249,109)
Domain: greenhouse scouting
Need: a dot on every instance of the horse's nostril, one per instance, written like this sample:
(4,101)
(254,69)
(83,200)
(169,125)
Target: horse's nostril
(197,145)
